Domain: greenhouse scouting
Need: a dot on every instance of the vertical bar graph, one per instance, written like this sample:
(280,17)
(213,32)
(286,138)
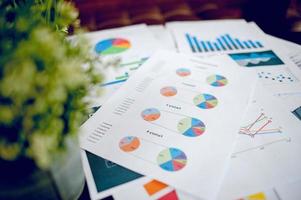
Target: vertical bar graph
(246,44)
(197,44)
(226,42)
(259,44)
(231,41)
(190,43)
(222,45)
(240,44)
(223,42)
(252,44)
(204,46)
(216,46)
(210,46)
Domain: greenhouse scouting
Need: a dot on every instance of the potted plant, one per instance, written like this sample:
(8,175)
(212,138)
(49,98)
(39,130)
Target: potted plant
(44,79)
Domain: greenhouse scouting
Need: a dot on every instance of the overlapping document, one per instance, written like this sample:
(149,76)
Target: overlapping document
(132,45)
(175,120)
(221,121)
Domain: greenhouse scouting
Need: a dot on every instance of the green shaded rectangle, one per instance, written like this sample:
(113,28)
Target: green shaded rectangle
(256,59)
(107,174)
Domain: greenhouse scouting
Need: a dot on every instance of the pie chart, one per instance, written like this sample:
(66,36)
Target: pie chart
(112,46)
(205,101)
(217,80)
(129,143)
(172,159)
(183,72)
(168,91)
(150,114)
(191,127)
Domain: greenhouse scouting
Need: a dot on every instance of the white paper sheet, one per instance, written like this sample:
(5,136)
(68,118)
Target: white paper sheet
(155,121)
(163,36)
(292,50)
(267,151)
(290,191)
(131,44)
(214,37)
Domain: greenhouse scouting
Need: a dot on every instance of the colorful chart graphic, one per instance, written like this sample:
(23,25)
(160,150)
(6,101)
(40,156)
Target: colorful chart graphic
(112,46)
(256,59)
(282,75)
(172,159)
(150,114)
(107,174)
(129,143)
(183,72)
(170,196)
(260,126)
(224,42)
(217,80)
(168,91)
(205,101)
(297,112)
(191,127)
(154,186)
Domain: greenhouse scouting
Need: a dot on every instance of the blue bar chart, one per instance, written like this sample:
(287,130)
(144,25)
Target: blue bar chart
(222,43)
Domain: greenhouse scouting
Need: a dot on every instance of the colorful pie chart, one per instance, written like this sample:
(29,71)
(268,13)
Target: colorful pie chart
(172,159)
(191,127)
(150,114)
(217,80)
(168,91)
(183,72)
(129,143)
(112,46)
(205,101)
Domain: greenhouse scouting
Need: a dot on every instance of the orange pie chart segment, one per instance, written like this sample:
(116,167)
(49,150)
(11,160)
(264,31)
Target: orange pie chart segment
(150,114)
(129,143)
(168,91)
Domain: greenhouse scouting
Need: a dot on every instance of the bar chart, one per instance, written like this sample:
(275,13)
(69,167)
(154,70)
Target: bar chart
(222,43)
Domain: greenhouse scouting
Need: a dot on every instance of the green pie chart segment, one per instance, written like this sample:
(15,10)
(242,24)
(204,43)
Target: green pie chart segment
(205,101)
(191,127)
(150,114)
(183,72)
(172,159)
(112,46)
(217,80)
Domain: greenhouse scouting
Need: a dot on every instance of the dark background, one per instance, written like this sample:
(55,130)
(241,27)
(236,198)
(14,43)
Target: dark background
(281,18)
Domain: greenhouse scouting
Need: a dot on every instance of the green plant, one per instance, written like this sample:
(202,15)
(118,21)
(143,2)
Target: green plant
(44,79)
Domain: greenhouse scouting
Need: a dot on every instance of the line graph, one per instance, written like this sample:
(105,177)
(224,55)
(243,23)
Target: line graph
(261,125)
(262,129)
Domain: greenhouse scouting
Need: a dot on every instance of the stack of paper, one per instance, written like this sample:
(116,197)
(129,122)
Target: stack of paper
(219,120)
